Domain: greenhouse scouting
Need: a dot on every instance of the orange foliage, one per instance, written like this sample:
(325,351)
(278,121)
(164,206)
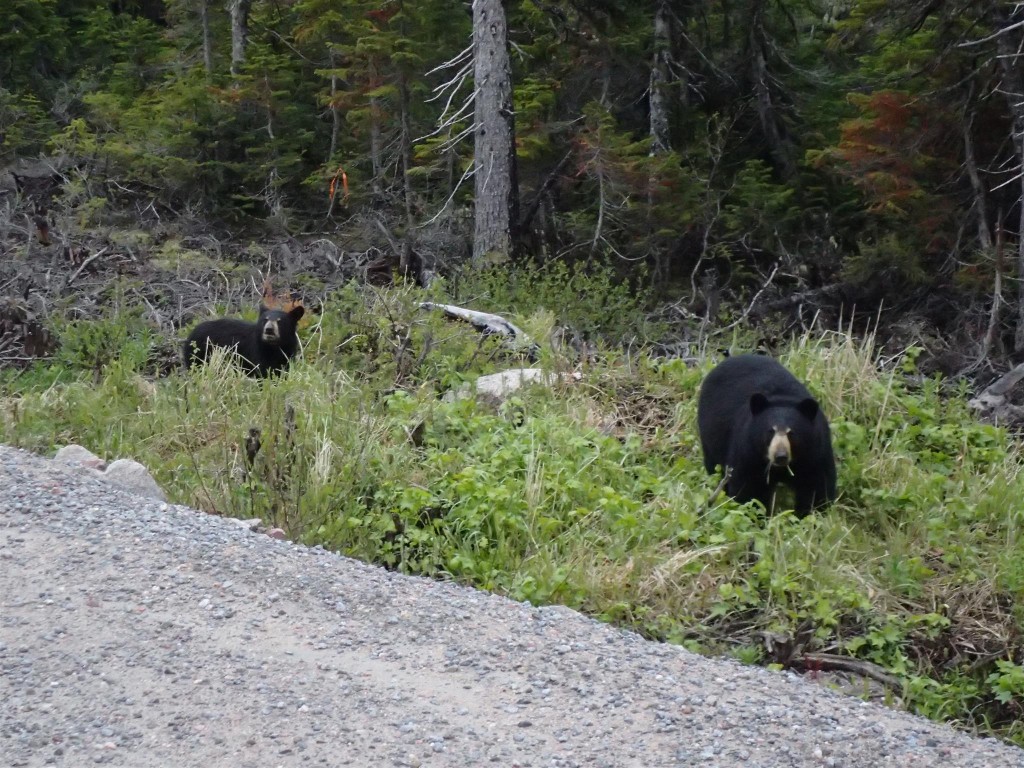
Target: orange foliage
(886,151)
(384,14)
(344,184)
(284,302)
(897,153)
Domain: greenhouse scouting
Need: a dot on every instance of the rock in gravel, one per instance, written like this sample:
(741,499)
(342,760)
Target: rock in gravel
(133,477)
(126,473)
(137,633)
(76,454)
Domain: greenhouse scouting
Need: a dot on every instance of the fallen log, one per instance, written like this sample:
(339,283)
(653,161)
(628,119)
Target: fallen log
(992,403)
(489,324)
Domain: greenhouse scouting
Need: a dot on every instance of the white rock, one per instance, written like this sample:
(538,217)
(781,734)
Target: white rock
(133,476)
(502,384)
(76,454)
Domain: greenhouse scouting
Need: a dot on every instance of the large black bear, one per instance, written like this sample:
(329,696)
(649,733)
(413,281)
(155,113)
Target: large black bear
(264,347)
(762,424)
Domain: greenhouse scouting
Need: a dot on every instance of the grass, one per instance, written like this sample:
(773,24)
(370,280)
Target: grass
(590,494)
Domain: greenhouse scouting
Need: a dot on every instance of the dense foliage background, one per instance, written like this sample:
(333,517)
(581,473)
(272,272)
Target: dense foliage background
(861,149)
(838,181)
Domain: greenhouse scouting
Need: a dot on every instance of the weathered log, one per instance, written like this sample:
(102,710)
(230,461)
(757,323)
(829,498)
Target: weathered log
(489,324)
(991,403)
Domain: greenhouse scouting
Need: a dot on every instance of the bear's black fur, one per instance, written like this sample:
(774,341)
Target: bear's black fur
(265,347)
(756,419)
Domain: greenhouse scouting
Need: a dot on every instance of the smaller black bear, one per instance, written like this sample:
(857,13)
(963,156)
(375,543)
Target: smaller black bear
(265,347)
(756,419)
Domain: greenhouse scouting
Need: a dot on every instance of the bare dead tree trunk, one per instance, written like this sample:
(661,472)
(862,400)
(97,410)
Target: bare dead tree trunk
(980,207)
(991,333)
(204,20)
(774,129)
(239,11)
(1018,336)
(494,159)
(406,149)
(984,233)
(660,104)
(660,76)
(376,150)
(1010,45)
(335,113)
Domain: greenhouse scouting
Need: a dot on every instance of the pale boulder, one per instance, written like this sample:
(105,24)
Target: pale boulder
(126,474)
(504,383)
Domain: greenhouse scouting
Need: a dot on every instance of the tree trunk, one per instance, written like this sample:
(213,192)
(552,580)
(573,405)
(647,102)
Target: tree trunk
(406,150)
(239,10)
(1010,44)
(980,207)
(204,20)
(660,76)
(335,112)
(494,159)
(775,134)
(660,102)
(377,152)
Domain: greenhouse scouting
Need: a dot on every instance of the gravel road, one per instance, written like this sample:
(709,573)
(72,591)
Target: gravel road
(144,634)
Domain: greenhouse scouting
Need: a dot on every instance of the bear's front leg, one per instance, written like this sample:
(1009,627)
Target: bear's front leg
(745,484)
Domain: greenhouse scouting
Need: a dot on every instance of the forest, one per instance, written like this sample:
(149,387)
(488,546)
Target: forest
(639,185)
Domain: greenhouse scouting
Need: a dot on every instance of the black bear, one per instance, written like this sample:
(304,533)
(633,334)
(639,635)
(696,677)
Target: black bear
(264,347)
(757,421)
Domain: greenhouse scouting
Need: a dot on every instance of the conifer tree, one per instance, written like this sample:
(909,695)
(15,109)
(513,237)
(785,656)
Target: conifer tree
(496,183)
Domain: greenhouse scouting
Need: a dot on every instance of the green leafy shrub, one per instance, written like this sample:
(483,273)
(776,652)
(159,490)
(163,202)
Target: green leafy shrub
(591,298)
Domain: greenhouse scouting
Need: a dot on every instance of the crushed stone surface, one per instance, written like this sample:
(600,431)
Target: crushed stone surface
(138,633)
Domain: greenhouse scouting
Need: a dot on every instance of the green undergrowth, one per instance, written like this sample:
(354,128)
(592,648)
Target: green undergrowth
(589,493)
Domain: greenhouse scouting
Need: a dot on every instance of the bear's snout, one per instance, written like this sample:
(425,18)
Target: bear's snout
(780,451)
(271,333)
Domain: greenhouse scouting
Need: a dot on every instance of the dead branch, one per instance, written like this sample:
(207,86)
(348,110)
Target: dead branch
(815,295)
(718,489)
(488,324)
(87,262)
(753,302)
(992,404)
(834,662)
(549,181)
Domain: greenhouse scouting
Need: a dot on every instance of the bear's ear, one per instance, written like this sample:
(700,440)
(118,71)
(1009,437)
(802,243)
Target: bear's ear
(297,312)
(809,408)
(758,403)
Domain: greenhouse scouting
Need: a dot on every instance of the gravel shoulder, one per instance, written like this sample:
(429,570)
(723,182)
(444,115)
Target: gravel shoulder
(144,634)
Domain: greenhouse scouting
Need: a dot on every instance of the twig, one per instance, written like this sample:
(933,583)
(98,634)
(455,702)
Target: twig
(87,262)
(753,302)
(549,181)
(794,299)
(993,36)
(469,172)
(832,661)
(718,489)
